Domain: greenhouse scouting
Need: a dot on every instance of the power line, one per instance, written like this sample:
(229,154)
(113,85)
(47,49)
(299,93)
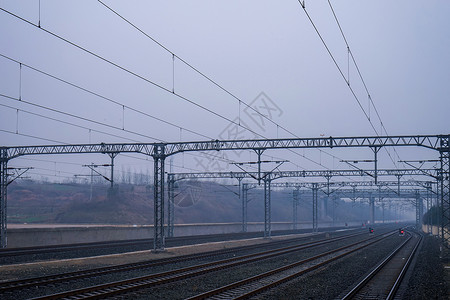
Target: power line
(100,96)
(155,84)
(59,142)
(361,77)
(104,97)
(78,117)
(65,122)
(240,101)
(342,73)
(131,72)
(32,136)
(93,121)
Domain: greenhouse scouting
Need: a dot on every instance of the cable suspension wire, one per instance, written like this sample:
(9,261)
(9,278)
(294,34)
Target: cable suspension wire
(68,123)
(104,169)
(131,72)
(240,101)
(104,97)
(59,142)
(343,75)
(195,69)
(79,126)
(108,99)
(32,136)
(148,80)
(360,76)
(98,123)
(80,118)
(45,169)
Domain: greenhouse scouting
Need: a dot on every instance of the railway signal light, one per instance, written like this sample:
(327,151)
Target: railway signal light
(370,230)
(401,232)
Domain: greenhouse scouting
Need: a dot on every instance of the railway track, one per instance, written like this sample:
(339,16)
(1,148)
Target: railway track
(143,243)
(257,284)
(384,280)
(69,247)
(52,279)
(142,282)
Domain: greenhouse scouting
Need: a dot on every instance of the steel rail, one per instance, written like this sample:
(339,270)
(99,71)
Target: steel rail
(123,286)
(6,252)
(62,277)
(275,282)
(360,285)
(400,277)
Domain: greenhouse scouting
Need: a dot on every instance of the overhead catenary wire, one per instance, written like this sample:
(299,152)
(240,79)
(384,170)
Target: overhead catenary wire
(65,122)
(98,95)
(215,83)
(150,81)
(131,72)
(31,136)
(96,122)
(355,96)
(361,77)
(240,101)
(102,97)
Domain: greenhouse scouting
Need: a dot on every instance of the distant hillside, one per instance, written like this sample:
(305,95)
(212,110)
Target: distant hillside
(195,202)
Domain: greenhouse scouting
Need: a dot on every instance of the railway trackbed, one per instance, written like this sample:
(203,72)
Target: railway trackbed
(257,284)
(68,276)
(143,282)
(10,256)
(384,280)
(13,286)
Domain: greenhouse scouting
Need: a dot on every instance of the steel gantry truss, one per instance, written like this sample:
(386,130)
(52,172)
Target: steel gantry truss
(270,176)
(159,151)
(341,189)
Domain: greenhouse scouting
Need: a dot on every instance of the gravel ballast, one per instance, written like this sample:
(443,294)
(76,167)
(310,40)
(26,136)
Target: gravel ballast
(427,280)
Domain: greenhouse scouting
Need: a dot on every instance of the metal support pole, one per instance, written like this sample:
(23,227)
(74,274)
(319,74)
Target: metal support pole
(244,206)
(170,204)
(259,152)
(372,209)
(158,192)
(327,199)
(92,182)
(112,155)
(380,199)
(295,199)
(445,189)
(375,151)
(240,195)
(315,189)
(419,211)
(438,204)
(3,202)
(428,209)
(334,211)
(398,185)
(267,209)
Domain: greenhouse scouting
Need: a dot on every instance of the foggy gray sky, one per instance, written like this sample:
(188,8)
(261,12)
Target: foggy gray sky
(247,47)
